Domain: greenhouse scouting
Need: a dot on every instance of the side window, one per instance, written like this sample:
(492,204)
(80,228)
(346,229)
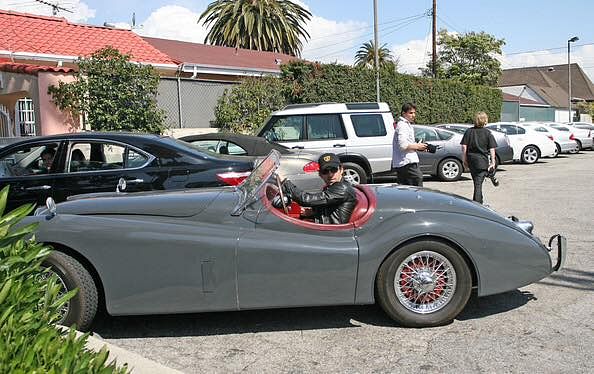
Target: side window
(520,130)
(207,145)
(425,135)
(509,130)
(540,129)
(324,126)
(368,125)
(233,149)
(134,159)
(444,135)
(289,128)
(29,160)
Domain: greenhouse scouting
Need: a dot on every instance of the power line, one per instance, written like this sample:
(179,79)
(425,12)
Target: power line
(55,7)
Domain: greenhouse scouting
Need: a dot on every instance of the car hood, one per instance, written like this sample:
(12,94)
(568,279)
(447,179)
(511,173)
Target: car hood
(397,199)
(179,203)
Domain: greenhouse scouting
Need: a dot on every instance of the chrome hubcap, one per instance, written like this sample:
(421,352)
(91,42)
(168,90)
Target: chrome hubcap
(425,282)
(63,312)
(530,155)
(450,170)
(351,176)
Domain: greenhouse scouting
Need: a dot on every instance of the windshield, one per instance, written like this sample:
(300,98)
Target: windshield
(249,188)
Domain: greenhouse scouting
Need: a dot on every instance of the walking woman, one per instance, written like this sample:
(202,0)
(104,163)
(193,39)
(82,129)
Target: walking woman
(478,150)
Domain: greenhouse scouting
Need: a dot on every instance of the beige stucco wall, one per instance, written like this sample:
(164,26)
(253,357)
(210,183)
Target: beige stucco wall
(52,120)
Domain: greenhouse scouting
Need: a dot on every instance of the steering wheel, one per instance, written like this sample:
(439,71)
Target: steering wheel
(280,192)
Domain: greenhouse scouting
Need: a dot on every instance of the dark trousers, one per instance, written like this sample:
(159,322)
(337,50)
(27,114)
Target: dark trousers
(410,174)
(478,178)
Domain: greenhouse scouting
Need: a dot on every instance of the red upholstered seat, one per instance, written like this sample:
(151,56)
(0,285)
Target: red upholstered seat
(361,207)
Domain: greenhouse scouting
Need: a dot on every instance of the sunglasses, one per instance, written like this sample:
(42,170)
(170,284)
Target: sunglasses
(329,170)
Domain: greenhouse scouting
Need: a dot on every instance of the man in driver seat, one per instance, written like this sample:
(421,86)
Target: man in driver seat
(334,204)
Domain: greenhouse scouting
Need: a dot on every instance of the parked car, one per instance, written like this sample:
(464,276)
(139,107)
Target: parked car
(360,134)
(563,140)
(446,162)
(301,165)
(420,253)
(583,137)
(504,150)
(582,125)
(145,162)
(528,145)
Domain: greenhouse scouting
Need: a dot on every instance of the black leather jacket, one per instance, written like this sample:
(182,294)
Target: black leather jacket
(334,204)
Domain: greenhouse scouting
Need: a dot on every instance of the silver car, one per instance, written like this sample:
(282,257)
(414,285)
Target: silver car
(583,137)
(446,162)
(504,151)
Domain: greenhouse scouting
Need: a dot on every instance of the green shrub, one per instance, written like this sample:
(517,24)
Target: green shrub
(244,107)
(30,301)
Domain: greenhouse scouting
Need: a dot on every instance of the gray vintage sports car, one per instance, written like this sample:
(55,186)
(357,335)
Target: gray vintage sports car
(419,253)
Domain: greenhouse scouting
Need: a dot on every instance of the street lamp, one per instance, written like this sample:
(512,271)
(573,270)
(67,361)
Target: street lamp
(574,39)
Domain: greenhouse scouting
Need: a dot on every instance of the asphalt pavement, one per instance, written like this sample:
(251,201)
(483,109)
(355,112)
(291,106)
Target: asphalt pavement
(544,327)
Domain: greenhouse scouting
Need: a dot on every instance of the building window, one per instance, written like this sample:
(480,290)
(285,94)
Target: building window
(25,116)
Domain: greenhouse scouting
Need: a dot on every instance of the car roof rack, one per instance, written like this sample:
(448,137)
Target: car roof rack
(307,105)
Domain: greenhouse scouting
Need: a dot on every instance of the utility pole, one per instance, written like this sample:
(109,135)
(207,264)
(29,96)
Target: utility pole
(434,58)
(376,51)
(55,7)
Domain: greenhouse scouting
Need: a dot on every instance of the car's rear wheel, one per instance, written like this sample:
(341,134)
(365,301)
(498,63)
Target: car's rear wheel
(557,150)
(80,309)
(449,170)
(579,147)
(354,174)
(530,155)
(424,283)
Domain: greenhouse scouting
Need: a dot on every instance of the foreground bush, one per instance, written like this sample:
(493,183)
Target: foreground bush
(30,302)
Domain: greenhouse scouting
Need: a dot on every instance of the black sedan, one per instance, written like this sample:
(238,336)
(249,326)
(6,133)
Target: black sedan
(63,165)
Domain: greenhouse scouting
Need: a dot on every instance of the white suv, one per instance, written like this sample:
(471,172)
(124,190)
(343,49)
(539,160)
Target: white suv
(359,133)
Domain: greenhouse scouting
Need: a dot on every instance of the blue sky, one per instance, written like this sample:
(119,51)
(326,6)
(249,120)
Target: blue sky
(535,32)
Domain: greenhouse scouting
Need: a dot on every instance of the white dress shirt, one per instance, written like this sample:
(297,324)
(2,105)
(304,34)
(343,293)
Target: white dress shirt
(404,134)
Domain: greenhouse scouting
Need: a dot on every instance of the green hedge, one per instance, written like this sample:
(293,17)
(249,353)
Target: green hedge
(30,301)
(438,101)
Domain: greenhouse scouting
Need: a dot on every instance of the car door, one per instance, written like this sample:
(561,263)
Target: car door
(30,179)
(372,137)
(306,267)
(100,167)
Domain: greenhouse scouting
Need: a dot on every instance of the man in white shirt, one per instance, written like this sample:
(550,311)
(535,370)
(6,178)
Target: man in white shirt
(404,148)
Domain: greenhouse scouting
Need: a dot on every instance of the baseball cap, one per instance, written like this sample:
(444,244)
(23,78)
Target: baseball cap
(328,160)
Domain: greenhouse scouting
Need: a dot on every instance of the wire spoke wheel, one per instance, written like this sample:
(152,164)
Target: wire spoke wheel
(425,282)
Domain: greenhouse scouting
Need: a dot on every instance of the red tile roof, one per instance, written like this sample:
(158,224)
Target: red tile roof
(32,69)
(20,32)
(211,55)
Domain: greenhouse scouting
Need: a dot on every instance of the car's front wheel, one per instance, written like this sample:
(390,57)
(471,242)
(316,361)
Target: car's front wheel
(354,174)
(80,309)
(449,170)
(530,155)
(424,283)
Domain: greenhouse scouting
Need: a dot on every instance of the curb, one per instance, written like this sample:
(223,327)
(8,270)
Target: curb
(136,363)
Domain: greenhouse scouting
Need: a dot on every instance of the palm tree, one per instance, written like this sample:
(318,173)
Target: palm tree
(263,25)
(365,56)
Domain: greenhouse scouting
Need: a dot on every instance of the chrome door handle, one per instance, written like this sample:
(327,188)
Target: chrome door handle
(297,147)
(339,145)
(38,188)
(133,181)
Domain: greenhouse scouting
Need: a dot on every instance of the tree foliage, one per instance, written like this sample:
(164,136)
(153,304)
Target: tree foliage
(469,58)
(113,93)
(365,56)
(30,303)
(246,106)
(263,25)
(438,100)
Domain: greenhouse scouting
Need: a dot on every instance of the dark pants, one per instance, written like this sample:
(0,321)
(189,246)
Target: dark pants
(477,179)
(410,174)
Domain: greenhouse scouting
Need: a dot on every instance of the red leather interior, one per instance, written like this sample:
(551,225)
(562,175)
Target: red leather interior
(366,203)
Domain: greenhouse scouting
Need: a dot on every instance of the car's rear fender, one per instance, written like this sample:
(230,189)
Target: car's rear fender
(502,258)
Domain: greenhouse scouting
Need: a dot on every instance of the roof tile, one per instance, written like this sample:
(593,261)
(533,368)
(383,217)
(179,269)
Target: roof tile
(23,32)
